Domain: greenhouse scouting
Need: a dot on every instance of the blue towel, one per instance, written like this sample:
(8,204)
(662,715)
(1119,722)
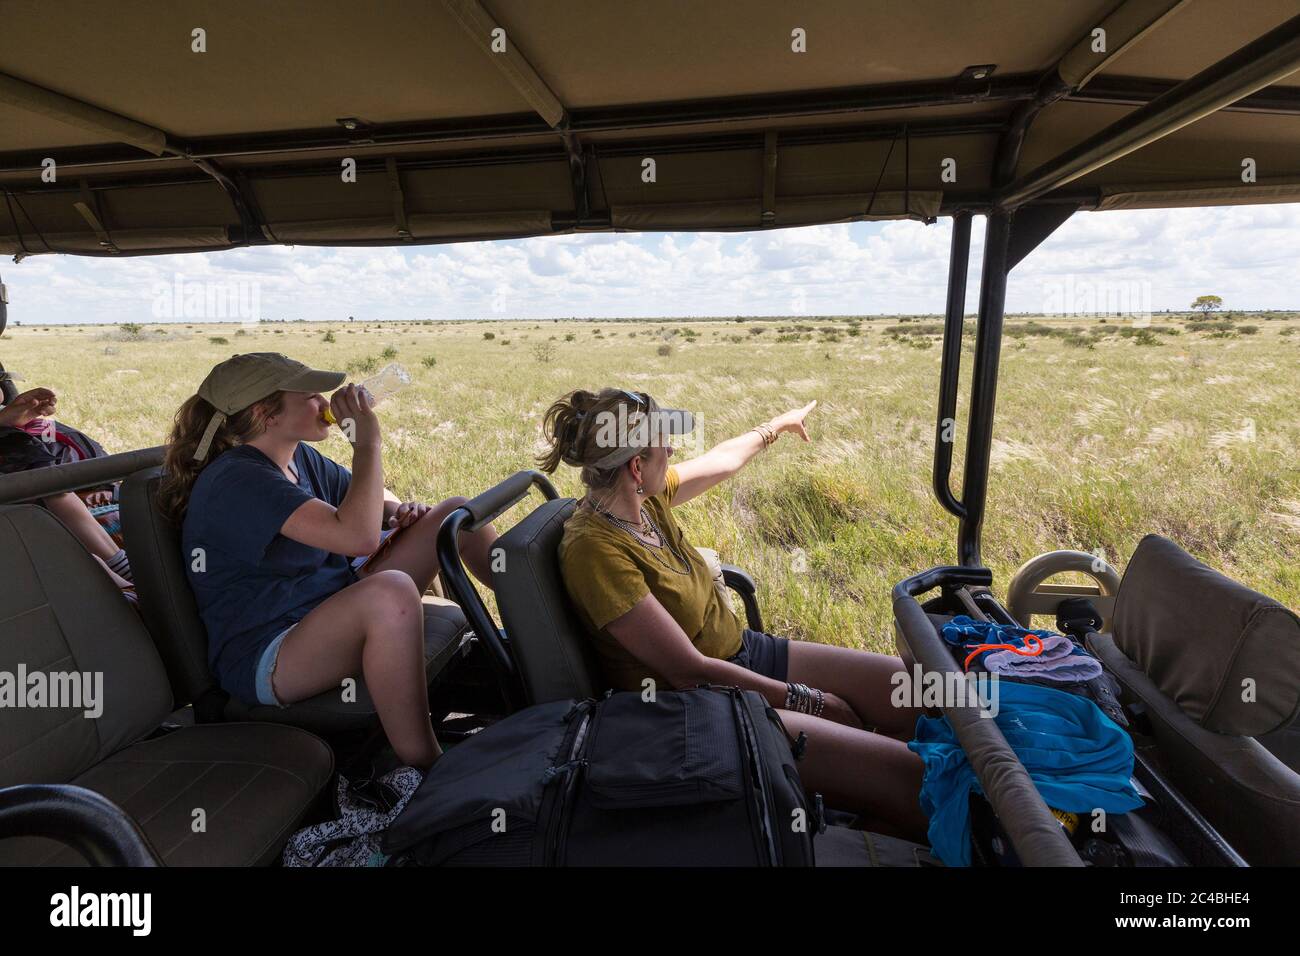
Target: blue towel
(1078,758)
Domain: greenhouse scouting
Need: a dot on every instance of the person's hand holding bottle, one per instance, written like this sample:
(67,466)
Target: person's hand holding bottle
(350,406)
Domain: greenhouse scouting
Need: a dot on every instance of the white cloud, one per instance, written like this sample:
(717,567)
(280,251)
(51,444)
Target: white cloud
(1247,254)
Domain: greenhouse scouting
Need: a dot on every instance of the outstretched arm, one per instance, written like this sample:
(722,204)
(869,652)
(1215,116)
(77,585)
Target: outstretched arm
(722,461)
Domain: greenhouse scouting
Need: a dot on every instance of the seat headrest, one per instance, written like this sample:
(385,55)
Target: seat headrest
(549,642)
(1227,655)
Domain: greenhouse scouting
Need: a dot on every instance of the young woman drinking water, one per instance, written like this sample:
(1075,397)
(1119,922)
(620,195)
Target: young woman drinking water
(305,572)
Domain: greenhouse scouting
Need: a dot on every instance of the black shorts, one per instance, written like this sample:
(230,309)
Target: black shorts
(764,654)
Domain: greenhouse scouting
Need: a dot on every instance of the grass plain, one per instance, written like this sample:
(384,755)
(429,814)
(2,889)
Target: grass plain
(1105,431)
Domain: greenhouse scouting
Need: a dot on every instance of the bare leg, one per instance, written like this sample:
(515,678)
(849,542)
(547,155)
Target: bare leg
(416,553)
(374,627)
(863,772)
(861,678)
(120,581)
(72,511)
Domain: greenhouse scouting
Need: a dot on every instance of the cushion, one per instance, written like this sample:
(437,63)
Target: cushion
(1228,656)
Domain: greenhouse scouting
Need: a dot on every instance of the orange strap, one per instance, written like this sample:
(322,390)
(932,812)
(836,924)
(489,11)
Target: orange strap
(1033,647)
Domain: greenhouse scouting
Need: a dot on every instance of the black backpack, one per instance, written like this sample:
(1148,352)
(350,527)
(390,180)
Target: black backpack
(703,777)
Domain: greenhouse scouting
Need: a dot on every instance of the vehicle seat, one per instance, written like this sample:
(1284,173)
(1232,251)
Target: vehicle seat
(549,642)
(550,645)
(1190,644)
(59,612)
(154,548)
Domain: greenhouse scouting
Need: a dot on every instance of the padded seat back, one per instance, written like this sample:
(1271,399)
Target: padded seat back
(1215,664)
(153,545)
(549,642)
(61,615)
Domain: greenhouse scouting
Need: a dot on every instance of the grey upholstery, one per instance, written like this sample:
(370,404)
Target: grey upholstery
(1250,796)
(252,782)
(548,641)
(60,613)
(1184,638)
(154,548)
(1228,656)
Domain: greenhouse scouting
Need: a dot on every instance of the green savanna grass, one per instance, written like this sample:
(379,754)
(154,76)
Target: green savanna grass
(1103,433)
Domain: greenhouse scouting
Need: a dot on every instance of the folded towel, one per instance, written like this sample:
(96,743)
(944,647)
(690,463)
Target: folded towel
(1057,662)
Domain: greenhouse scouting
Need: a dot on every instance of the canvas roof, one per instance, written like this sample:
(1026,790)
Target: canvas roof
(159,148)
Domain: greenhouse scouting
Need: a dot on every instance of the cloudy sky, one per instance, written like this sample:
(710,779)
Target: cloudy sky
(1126,261)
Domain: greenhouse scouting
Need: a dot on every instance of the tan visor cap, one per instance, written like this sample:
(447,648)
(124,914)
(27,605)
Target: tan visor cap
(628,435)
(241,380)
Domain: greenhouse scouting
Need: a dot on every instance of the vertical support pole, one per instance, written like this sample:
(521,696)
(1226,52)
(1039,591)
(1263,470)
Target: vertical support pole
(950,366)
(984,386)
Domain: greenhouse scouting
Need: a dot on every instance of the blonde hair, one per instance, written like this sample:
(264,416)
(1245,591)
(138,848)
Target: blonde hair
(180,470)
(571,427)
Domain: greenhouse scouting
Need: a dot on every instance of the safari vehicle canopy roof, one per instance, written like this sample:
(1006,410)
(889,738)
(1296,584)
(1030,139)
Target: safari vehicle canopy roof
(1041,107)
(159,148)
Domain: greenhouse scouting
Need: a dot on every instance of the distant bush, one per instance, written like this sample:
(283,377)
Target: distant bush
(665,349)
(543,352)
(365,365)
(132,328)
(329,336)
(218,340)
(569,337)
(1146,337)
(1248,329)
(428,361)
(389,352)
(505,341)
(489,335)
(1289,330)
(240,332)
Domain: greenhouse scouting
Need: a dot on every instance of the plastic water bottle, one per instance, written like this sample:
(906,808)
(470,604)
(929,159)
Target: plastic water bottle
(384,384)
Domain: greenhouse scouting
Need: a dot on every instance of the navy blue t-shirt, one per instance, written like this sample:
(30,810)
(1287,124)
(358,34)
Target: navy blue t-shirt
(255,581)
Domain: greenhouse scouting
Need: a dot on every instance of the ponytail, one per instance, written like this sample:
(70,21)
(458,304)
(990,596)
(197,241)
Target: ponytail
(180,470)
(570,426)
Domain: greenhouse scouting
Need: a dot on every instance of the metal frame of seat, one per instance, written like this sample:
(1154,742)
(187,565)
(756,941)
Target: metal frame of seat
(486,507)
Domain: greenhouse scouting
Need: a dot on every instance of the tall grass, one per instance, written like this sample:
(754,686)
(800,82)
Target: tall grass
(1094,447)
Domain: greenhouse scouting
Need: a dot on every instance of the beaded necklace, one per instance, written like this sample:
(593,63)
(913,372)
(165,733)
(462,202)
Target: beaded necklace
(655,549)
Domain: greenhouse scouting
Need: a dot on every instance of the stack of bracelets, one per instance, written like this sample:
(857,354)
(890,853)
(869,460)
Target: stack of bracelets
(767,432)
(803,699)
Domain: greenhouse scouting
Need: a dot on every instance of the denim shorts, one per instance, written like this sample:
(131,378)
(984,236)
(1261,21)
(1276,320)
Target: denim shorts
(266,668)
(764,654)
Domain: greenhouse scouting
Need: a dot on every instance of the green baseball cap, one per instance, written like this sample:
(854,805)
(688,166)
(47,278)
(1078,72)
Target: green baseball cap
(241,380)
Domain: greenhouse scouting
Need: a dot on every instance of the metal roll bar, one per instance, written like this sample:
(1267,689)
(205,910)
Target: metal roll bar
(1036,835)
(82,819)
(471,516)
(27,486)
